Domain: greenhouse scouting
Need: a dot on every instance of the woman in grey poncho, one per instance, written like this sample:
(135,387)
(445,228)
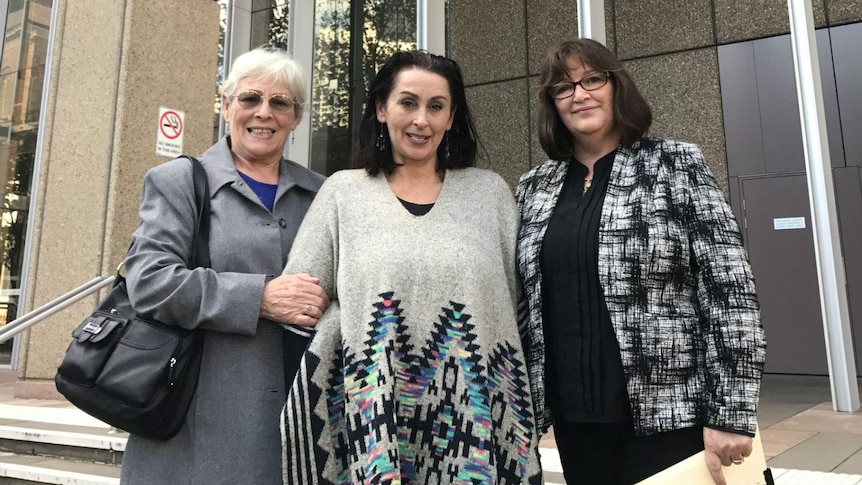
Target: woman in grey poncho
(416,372)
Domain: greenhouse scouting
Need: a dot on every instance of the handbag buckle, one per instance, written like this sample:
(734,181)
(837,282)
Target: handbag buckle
(93,327)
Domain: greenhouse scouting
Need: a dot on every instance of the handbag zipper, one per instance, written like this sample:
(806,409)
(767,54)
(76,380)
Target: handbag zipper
(171,364)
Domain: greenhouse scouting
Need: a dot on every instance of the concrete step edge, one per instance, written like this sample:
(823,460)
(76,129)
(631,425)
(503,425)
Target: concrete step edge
(65,415)
(65,438)
(50,475)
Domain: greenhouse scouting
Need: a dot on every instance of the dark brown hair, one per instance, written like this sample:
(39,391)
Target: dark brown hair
(632,115)
(462,137)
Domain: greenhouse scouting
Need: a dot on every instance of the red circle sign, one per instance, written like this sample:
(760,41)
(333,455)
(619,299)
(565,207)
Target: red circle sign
(171,125)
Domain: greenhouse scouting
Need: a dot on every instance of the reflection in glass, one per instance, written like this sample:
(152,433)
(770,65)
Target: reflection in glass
(22,71)
(345,59)
(269,19)
(222,28)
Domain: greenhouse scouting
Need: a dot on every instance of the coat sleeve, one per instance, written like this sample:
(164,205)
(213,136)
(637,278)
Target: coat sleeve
(727,303)
(160,281)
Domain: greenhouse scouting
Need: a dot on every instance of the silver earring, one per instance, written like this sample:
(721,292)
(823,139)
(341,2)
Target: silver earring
(447,145)
(381,139)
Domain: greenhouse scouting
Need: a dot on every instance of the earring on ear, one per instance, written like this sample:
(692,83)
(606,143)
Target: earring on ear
(293,138)
(446,153)
(381,139)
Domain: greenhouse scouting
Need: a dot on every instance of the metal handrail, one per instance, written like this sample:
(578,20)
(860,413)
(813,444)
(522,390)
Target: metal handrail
(35,316)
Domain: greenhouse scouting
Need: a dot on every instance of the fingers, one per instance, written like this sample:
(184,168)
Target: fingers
(307,277)
(304,321)
(724,448)
(313,311)
(304,288)
(295,299)
(714,463)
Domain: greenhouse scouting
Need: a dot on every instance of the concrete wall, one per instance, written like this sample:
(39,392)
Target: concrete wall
(114,64)
(670,47)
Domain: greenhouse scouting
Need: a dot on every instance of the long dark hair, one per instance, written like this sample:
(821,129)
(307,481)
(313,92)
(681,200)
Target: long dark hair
(632,114)
(462,138)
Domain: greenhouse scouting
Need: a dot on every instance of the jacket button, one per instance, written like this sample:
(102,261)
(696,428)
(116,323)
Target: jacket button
(282,223)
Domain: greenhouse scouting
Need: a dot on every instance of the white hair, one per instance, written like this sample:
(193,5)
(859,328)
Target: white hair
(269,64)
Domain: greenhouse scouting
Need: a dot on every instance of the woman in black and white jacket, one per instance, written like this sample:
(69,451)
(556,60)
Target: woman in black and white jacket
(643,329)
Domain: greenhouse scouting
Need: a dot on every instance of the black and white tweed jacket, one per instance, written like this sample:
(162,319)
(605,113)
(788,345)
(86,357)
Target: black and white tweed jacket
(677,283)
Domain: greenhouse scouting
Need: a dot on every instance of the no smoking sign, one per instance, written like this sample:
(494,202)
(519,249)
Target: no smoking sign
(169,135)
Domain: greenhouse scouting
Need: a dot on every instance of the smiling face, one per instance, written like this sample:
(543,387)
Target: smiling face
(258,133)
(589,115)
(417,114)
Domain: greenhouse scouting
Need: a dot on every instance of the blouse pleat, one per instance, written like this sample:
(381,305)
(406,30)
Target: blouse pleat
(585,376)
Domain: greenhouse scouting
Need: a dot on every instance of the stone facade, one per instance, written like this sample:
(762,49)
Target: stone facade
(114,64)
(670,47)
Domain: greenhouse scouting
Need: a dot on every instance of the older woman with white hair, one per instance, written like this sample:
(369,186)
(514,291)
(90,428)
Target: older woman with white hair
(257,199)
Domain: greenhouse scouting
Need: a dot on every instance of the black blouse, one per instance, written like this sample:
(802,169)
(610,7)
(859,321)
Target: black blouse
(416,209)
(585,379)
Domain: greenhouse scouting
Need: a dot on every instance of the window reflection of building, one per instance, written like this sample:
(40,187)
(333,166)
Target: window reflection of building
(21,74)
(345,59)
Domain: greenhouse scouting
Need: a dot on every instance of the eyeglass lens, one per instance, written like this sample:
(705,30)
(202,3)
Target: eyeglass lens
(277,102)
(590,82)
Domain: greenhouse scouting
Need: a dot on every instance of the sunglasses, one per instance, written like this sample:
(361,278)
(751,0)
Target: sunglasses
(277,102)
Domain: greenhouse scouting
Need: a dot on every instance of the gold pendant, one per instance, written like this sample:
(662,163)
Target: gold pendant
(587,183)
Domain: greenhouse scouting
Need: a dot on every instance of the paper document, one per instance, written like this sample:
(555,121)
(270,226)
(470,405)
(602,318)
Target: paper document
(693,470)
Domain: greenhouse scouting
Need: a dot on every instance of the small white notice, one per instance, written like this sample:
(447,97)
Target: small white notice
(784,223)
(169,135)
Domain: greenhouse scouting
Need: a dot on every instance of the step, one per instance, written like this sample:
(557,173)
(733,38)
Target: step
(56,443)
(39,469)
(56,440)
(57,412)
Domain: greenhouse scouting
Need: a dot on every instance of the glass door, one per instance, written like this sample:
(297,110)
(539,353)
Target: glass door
(22,72)
(341,44)
(351,41)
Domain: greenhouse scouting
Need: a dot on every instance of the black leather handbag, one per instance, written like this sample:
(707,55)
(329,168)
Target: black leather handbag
(132,372)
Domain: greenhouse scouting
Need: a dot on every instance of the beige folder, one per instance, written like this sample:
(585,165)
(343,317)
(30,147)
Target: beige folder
(693,470)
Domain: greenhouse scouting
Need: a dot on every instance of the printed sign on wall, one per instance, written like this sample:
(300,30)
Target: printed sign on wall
(169,136)
(785,223)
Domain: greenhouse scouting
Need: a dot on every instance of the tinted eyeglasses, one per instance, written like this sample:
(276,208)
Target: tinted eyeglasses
(277,102)
(590,82)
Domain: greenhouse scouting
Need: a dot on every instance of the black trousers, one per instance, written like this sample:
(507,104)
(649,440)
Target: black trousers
(611,454)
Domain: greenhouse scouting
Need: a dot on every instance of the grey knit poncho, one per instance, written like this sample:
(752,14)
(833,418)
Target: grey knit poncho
(415,373)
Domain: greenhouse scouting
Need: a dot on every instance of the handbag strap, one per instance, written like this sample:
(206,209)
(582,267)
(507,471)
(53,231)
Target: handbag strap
(201,241)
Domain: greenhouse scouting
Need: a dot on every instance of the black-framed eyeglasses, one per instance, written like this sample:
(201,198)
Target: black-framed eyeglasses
(277,102)
(590,82)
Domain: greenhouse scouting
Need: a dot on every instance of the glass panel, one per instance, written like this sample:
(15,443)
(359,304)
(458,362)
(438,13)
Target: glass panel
(269,20)
(330,93)
(345,59)
(21,74)
(222,28)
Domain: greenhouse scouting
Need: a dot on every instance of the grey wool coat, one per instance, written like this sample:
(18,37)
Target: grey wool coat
(231,433)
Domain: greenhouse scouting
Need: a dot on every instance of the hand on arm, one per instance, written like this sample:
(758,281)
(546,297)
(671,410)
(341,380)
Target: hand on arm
(723,449)
(295,299)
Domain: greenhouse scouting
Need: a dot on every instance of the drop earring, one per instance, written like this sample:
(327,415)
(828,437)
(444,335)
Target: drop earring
(381,139)
(446,153)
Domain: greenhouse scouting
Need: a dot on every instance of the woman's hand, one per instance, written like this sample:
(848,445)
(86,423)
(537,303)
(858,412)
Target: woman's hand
(296,299)
(724,449)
